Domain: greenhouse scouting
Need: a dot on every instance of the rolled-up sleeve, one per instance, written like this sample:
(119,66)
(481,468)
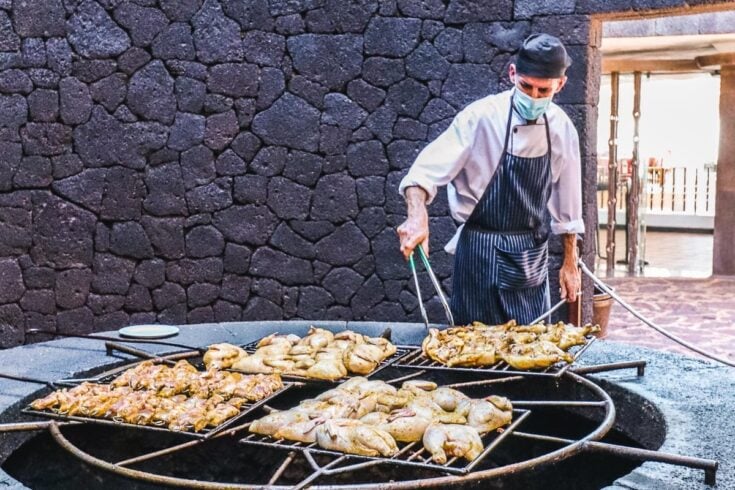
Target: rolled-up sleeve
(442,159)
(565,205)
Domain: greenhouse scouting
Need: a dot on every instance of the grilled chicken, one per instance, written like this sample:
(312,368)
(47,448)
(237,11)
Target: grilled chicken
(271,423)
(444,441)
(447,398)
(179,397)
(406,425)
(522,346)
(300,431)
(487,414)
(318,355)
(354,437)
(222,356)
(537,355)
(362,358)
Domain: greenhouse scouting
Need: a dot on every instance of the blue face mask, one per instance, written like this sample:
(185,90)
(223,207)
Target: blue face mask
(528,107)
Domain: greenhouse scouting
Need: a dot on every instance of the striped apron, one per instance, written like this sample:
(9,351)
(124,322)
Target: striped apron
(500,266)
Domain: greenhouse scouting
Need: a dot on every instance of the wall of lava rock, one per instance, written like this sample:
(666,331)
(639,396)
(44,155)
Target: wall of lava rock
(185,161)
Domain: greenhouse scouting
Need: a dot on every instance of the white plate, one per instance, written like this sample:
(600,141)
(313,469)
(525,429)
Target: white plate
(149,331)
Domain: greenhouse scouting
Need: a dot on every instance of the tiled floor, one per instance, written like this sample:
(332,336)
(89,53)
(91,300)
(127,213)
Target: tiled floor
(677,292)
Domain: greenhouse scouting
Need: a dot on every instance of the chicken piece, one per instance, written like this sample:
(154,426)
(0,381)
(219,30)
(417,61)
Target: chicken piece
(418,386)
(474,356)
(425,407)
(275,345)
(406,425)
(272,422)
(386,346)
(353,384)
(447,398)
(252,363)
(220,413)
(344,410)
(538,355)
(347,338)
(355,437)
(387,402)
(317,338)
(452,440)
(362,358)
(376,387)
(222,356)
(375,418)
(300,431)
(47,402)
(328,365)
(487,414)
(572,335)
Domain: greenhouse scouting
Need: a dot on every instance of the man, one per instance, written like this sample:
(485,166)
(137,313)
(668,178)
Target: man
(512,168)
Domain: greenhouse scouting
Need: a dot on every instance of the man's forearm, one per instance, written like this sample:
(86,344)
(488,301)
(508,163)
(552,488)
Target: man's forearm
(415,200)
(570,249)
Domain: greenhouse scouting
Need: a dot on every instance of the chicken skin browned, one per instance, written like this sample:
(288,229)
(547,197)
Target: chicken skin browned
(179,397)
(523,347)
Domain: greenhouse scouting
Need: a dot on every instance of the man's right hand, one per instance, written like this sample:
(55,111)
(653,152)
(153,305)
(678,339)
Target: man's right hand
(415,230)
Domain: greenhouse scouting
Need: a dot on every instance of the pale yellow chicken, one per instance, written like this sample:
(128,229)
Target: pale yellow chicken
(487,414)
(222,356)
(444,441)
(354,437)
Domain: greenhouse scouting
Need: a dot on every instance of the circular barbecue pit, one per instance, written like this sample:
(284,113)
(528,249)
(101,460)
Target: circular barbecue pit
(586,432)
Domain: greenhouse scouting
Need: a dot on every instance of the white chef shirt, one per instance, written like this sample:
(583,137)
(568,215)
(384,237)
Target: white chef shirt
(465,156)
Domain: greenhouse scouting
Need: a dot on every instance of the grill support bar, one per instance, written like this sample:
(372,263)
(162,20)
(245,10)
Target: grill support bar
(135,474)
(179,447)
(30,426)
(640,367)
(708,465)
(286,462)
(573,448)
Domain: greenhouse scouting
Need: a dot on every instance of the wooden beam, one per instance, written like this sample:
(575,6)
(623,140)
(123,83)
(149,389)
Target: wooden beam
(632,65)
(715,61)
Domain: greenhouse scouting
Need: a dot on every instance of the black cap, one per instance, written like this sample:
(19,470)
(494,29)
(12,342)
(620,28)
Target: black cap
(542,56)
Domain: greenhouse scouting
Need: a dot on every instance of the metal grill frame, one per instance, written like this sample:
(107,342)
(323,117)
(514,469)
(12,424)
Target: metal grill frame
(418,360)
(569,447)
(490,440)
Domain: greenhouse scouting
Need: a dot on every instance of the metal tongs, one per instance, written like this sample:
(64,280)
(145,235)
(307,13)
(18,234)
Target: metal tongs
(434,281)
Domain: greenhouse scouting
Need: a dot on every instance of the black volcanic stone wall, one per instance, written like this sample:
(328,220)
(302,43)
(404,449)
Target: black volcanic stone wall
(214,160)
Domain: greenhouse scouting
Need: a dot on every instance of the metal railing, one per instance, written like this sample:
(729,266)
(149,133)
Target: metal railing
(674,190)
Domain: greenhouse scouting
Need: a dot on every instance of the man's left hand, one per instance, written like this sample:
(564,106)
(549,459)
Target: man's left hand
(570,281)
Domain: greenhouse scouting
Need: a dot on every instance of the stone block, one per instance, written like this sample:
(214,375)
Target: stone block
(335,199)
(216,36)
(392,36)
(274,264)
(251,224)
(345,246)
(330,60)
(290,122)
(93,34)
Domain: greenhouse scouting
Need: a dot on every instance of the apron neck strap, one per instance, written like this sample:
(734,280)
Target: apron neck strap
(508,125)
